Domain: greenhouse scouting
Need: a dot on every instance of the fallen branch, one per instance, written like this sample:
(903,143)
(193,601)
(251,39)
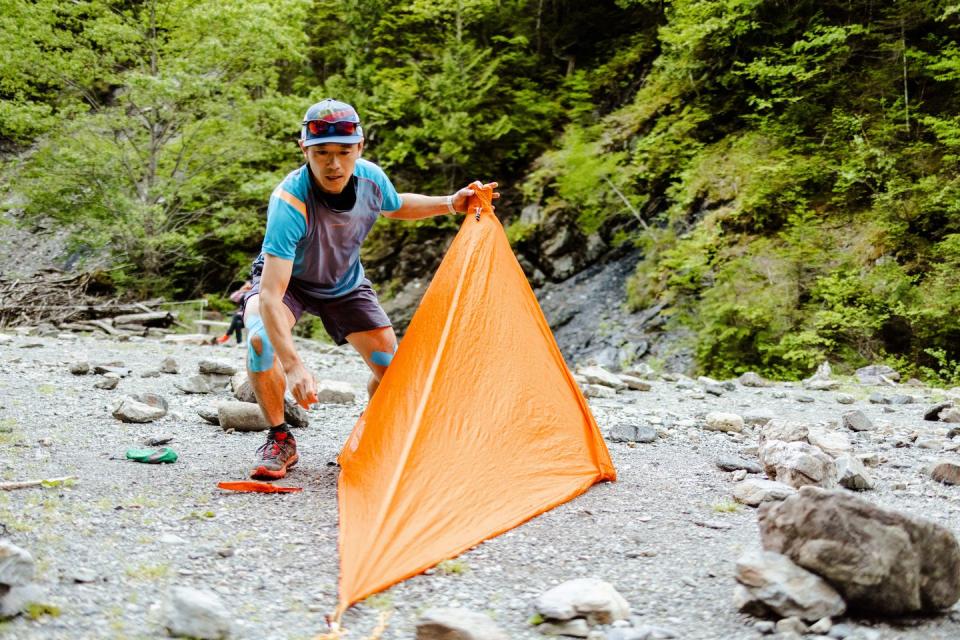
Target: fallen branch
(26,484)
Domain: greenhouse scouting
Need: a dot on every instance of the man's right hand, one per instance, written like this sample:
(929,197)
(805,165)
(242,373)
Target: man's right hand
(302,385)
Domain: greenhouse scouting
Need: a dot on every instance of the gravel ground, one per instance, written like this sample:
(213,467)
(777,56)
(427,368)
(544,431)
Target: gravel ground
(665,534)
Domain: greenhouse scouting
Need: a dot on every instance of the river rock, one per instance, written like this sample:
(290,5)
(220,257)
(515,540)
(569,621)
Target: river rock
(132,411)
(241,387)
(873,374)
(457,624)
(636,384)
(784,430)
(16,565)
(845,398)
(107,383)
(590,598)
(946,471)
(80,368)
(798,464)
(950,414)
(718,421)
(755,491)
(881,561)
(932,412)
(732,463)
(241,416)
(598,391)
(196,613)
(632,433)
(209,413)
(758,417)
(193,384)
(102,369)
(216,367)
(833,443)
(771,585)
(857,421)
(853,474)
(153,400)
(169,365)
(293,414)
(599,375)
(820,384)
(335,392)
(751,379)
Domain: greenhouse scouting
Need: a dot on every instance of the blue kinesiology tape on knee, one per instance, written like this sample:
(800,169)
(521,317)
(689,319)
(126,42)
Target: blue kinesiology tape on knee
(381,358)
(264,360)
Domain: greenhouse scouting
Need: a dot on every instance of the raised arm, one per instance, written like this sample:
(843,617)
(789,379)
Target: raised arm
(416,206)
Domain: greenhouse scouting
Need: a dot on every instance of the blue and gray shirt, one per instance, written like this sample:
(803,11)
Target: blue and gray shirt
(324,242)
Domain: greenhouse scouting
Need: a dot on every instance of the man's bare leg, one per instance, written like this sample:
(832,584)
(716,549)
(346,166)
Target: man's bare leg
(269,386)
(377,347)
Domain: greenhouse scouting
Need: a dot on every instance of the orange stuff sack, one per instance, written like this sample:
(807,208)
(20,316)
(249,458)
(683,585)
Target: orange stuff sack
(478,424)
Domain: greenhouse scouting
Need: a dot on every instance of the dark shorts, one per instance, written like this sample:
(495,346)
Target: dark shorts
(356,311)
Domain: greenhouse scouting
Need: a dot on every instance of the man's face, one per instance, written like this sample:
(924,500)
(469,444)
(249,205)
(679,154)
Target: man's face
(332,163)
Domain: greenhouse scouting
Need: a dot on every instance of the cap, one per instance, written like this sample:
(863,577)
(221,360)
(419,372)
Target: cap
(342,124)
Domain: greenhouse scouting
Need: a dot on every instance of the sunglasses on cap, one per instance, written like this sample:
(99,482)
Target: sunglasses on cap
(322,128)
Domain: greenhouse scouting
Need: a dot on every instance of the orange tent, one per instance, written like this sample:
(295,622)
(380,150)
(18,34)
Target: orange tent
(478,424)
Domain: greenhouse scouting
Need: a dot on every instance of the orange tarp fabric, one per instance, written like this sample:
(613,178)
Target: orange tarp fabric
(478,424)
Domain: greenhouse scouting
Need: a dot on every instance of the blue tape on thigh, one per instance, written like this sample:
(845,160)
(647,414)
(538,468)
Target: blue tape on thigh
(264,360)
(381,358)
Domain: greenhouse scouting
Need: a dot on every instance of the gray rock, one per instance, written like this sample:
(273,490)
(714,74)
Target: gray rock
(240,385)
(715,389)
(196,613)
(946,471)
(873,373)
(16,565)
(457,624)
(732,463)
(857,421)
(755,491)
(132,411)
(852,474)
(772,585)
(819,384)
(822,626)
(950,414)
(169,365)
(157,440)
(590,598)
(845,398)
(335,392)
(718,421)
(902,399)
(751,379)
(14,600)
(241,416)
(193,384)
(798,464)
(216,367)
(879,560)
(878,398)
(150,373)
(932,413)
(123,372)
(636,384)
(107,384)
(833,443)
(575,628)
(80,368)
(792,625)
(785,430)
(209,413)
(632,433)
(640,370)
(600,376)
(293,414)
(598,391)
(153,400)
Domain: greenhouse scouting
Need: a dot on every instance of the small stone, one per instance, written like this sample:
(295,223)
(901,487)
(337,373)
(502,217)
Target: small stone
(150,373)
(751,379)
(792,625)
(577,628)
(932,413)
(833,443)
(946,471)
(156,441)
(772,584)
(335,392)
(718,421)
(902,399)
(632,433)
(80,368)
(457,624)
(196,613)
(169,365)
(241,416)
(216,367)
(123,372)
(821,385)
(731,463)
(758,417)
(805,398)
(739,475)
(857,421)
(152,399)
(82,575)
(209,413)
(845,398)
(878,398)
(592,598)
(107,384)
(950,414)
(600,376)
(16,565)
(193,384)
(755,491)
(852,474)
(132,411)
(765,626)
(636,384)
(821,626)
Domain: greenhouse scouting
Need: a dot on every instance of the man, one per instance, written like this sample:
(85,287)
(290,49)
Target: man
(310,261)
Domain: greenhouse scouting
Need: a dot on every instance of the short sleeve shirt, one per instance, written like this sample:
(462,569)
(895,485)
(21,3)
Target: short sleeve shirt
(324,243)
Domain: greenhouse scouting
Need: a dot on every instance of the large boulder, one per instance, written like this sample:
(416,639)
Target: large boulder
(881,561)
(595,600)
(457,624)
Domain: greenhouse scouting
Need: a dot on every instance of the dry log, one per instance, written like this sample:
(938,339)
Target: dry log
(105,326)
(26,484)
(150,319)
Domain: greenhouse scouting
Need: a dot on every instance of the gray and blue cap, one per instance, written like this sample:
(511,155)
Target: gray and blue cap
(331,121)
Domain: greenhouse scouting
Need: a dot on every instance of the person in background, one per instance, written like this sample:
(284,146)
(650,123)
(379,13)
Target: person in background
(236,322)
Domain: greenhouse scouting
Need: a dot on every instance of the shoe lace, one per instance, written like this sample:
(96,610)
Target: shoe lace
(269,450)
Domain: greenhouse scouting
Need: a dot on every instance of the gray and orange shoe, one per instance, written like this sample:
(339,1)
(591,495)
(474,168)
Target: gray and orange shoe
(275,456)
